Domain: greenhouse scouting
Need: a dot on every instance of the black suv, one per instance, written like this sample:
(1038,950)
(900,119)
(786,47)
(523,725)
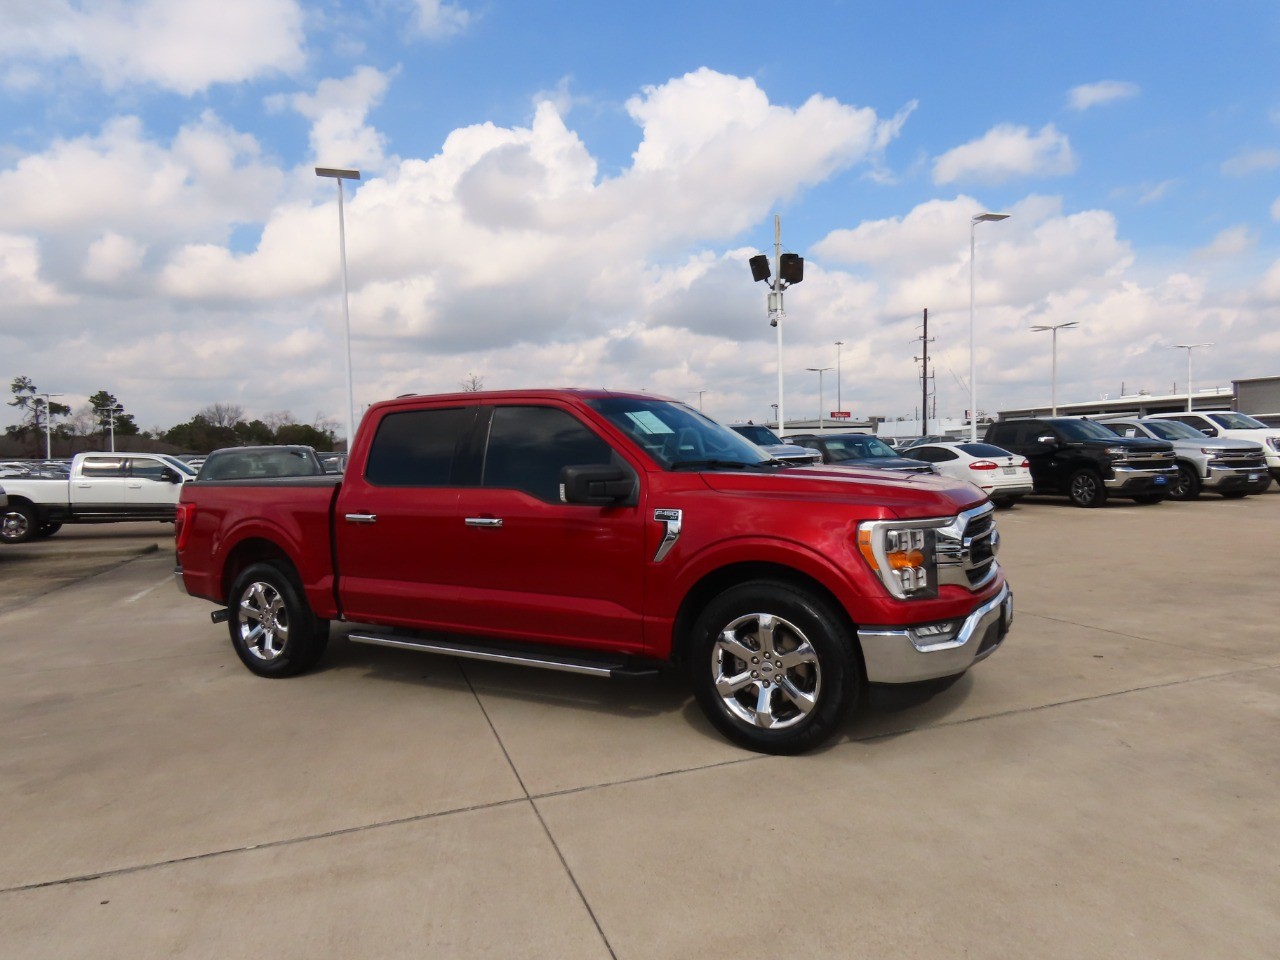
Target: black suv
(1086,461)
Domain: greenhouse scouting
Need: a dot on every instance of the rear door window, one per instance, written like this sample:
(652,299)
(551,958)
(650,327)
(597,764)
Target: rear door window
(419,448)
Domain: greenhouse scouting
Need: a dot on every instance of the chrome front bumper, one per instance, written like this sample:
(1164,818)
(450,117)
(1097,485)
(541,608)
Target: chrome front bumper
(1132,478)
(1232,477)
(902,655)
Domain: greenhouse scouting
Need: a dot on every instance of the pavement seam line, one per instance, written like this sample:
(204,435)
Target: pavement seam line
(582,897)
(71,583)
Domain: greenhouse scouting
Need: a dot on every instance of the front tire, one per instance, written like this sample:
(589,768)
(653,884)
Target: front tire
(272,627)
(18,523)
(773,667)
(1186,486)
(1086,489)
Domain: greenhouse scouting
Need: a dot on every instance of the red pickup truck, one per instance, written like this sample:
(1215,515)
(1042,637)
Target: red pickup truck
(609,534)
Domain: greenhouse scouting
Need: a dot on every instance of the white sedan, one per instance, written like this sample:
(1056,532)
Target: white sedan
(1001,475)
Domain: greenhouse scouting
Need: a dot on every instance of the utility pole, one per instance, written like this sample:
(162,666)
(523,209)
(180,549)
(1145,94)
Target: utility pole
(924,376)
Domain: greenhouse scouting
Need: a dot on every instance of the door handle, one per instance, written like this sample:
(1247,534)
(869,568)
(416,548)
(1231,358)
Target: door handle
(362,518)
(484,521)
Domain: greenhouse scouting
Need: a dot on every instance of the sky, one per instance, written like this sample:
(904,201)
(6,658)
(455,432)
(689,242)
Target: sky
(567,194)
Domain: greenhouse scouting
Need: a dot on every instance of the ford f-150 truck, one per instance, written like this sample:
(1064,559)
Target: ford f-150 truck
(101,488)
(607,533)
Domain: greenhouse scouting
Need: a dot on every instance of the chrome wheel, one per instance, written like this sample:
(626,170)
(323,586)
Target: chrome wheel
(17,524)
(263,621)
(765,671)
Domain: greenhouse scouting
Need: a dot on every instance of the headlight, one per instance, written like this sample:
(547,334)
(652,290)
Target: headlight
(903,556)
(1273,442)
(1117,453)
(1213,451)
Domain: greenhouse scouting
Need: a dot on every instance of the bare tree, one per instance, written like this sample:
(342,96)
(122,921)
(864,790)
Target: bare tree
(473,384)
(84,422)
(223,414)
(277,419)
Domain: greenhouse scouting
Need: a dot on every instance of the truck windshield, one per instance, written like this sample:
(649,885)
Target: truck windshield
(756,434)
(676,435)
(1172,430)
(1236,421)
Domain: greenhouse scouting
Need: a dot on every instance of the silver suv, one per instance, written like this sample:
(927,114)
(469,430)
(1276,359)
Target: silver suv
(1233,468)
(773,445)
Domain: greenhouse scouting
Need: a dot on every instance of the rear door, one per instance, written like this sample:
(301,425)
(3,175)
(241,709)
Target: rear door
(98,486)
(533,566)
(396,525)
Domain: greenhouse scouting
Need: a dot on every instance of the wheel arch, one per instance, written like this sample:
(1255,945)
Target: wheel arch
(722,578)
(249,551)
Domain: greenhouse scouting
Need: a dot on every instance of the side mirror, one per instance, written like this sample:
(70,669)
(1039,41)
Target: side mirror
(171,475)
(1209,431)
(598,484)
(1047,440)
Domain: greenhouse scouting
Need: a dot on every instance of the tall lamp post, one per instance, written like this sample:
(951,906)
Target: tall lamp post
(48,421)
(789,271)
(839,405)
(819,371)
(973,382)
(111,412)
(338,176)
(700,393)
(1055,327)
(1189,347)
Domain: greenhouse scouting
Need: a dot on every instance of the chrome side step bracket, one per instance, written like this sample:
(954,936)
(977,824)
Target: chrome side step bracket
(541,660)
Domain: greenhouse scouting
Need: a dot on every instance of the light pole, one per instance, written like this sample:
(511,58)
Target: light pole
(819,371)
(1055,327)
(1189,347)
(338,176)
(48,420)
(700,393)
(839,344)
(973,382)
(789,270)
(111,412)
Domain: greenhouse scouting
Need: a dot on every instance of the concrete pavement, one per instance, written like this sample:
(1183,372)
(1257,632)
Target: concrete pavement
(1105,786)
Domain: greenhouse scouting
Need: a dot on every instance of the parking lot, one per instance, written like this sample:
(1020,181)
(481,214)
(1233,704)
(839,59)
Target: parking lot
(1106,785)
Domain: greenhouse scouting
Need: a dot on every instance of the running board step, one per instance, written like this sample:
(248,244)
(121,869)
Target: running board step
(543,660)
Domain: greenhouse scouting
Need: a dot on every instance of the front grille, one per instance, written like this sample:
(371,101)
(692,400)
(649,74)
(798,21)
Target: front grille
(966,548)
(1150,461)
(1239,458)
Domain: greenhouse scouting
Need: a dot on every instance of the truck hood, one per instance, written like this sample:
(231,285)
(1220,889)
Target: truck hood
(902,495)
(1134,444)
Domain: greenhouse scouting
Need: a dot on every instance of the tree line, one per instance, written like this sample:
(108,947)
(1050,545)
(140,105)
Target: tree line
(44,422)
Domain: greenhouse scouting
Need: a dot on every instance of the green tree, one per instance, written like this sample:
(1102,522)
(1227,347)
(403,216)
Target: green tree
(198,435)
(103,403)
(33,408)
(304,433)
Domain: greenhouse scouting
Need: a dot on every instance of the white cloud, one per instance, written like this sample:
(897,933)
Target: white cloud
(438,20)
(1275,209)
(113,256)
(180,45)
(206,179)
(338,109)
(1158,192)
(20,281)
(1104,91)
(1232,242)
(1253,162)
(1006,152)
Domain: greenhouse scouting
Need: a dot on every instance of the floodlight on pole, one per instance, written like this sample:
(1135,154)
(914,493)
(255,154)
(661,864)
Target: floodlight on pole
(819,371)
(789,270)
(1189,347)
(338,176)
(1055,327)
(973,380)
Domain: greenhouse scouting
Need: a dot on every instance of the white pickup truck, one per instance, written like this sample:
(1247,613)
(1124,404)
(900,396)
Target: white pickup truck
(102,488)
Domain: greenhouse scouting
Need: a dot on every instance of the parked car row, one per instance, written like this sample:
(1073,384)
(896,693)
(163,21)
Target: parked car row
(1175,456)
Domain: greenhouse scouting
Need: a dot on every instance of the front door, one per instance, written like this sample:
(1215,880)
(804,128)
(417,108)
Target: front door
(532,566)
(148,489)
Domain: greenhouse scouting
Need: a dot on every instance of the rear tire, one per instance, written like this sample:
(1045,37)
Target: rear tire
(1086,489)
(18,523)
(272,627)
(773,667)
